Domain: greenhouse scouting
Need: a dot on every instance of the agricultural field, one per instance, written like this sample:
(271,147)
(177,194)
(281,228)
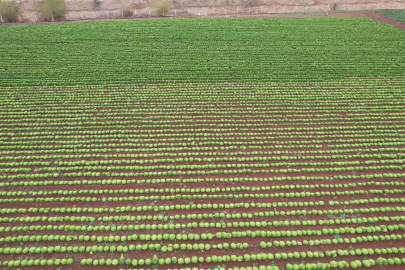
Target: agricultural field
(231,144)
(397,15)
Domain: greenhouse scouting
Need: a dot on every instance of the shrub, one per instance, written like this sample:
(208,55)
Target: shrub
(10,10)
(163,7)
(97,3)
(127,8)
(52,9)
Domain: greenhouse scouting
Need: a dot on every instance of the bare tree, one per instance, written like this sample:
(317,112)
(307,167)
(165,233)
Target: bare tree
(334,4)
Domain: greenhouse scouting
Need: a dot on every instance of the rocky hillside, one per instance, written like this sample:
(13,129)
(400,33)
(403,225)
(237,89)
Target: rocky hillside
(104,9)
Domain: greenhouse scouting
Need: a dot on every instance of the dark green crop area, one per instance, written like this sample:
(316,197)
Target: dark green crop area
(200,50)
(397,15)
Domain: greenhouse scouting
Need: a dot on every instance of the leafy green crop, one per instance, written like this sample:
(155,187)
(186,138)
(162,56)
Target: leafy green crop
(199,50)
(228,144)
(397,15)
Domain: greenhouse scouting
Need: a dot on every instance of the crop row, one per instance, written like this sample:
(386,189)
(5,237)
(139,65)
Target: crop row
(203,190)
(190,154)
(208,180)
(189,225)
(205,196)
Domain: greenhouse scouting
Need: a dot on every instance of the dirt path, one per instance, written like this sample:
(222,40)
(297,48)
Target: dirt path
(379,17)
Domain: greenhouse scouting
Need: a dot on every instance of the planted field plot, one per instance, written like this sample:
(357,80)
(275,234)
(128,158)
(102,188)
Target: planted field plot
(200,50)
(281,156)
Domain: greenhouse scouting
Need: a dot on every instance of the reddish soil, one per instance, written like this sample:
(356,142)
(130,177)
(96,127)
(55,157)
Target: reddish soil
(379,17)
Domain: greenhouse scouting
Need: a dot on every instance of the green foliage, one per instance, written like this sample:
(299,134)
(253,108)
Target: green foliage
(52,9)
(122,259)
(353,264)
(381,261)
(397,15)
(187,166)
(10,10)
(155,259)
(199,46)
